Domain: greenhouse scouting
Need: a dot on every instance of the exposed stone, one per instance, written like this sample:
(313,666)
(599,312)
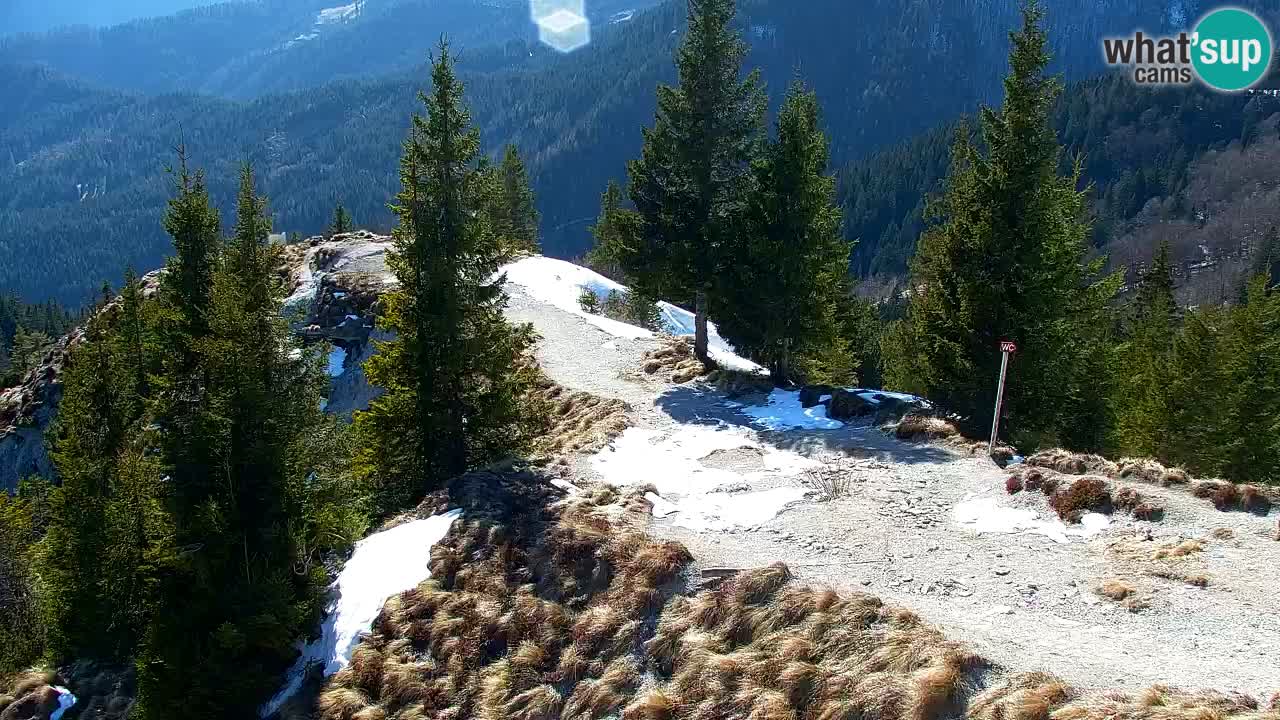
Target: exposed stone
(846,405)
(811,395)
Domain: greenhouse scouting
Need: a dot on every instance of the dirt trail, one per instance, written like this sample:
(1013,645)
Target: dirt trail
(1024,600)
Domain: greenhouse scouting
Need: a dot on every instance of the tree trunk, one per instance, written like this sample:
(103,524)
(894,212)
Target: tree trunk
(700,328)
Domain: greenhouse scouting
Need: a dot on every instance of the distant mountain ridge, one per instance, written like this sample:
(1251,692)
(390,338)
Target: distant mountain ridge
(82,182)
(23,16)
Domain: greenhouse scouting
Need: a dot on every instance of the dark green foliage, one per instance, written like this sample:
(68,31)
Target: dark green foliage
(341,221)
(1009,261)
(692,180)
(26,331)
(782,297)
(21,628)
(455,374)
(1141,397)
(614,234)
(232,600)
(1250,365)
(514,216)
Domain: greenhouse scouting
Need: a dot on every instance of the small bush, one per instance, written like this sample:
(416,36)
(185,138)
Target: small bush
(1254,500)
(1088,494)
(589,302)
(924,428)
(1013,485)
(1127,499)
(1148,511)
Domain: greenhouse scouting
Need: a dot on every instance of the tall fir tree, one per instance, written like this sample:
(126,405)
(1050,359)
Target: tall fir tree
(1250,360)
(22,631)
(613,234)
(341,221)
(782,298)
(1197,411)
(231,602)
(89,434)
(455,375)
(1141,398)
(515,216)
(691,183)
(1009,261)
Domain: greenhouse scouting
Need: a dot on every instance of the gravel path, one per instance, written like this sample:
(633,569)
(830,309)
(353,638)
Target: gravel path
(1023,600)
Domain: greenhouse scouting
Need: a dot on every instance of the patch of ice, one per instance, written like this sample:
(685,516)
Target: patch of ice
(784,412)
(383,565)
(988,516)
(65,702)
(337,359)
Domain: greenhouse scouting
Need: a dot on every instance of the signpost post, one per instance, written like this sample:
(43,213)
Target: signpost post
(1007,348)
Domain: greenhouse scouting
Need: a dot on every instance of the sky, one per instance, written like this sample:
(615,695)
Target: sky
(37,15)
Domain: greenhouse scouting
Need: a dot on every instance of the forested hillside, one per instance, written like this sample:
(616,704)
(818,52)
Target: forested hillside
(247,49)
(17,16)
(1142,149)
(82,187)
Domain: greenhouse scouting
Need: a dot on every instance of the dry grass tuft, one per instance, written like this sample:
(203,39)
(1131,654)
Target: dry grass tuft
(1117,590)
(1027,696)
(1224,534)
(1013,485)
(1086,494)
(1177,550)
(925,428)
(579,422)
(831,483)
(674,361)
(1069,463)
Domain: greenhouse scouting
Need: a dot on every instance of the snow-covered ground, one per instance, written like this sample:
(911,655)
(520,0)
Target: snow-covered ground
(383,565)
(987,515)
(66,701)
(561,284)
(784,412)
(338,14)
(690,483)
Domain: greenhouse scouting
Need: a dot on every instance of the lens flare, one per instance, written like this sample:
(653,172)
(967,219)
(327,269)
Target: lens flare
(562,24)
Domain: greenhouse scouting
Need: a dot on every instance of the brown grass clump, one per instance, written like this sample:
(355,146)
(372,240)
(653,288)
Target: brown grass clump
(1178,550)
(579,422)
(1149,511)
(674,360)
(1013,485)
(1116,590)
(1026,696)
(1254,500)
(925,428)
(1087,494)
(1069,463)
(1224,534)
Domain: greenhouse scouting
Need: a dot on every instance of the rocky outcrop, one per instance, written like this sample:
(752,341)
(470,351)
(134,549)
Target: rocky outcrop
(25,414)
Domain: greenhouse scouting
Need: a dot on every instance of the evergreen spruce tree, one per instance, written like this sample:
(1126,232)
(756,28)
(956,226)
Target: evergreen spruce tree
(516,218)
(89,434)
(455,375)
(691,183)
(783,295)
(1142,403)
(341,221)
(21,629)
(1009,261)
(231,603)
(1197,410)
(1250,359)
(614,235)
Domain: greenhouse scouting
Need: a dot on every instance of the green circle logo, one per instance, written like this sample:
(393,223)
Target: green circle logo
(1232,49)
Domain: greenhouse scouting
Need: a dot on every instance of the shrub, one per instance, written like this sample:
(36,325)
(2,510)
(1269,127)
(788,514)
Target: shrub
(589,302)
(1013,485)
(1116,590)
(1148,511)
(1254,500)
(1087,494)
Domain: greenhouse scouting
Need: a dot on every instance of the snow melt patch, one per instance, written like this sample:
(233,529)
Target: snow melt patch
(560,284)
(988,516)
(686,487)
(338,14)
(65,702)
(383,565)
(783,411)
(337,361)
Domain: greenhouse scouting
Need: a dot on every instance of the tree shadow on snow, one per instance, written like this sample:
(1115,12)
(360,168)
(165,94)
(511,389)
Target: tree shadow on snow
(703,404)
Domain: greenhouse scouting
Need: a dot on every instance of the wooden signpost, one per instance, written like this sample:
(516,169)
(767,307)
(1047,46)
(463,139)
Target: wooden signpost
(1007,348)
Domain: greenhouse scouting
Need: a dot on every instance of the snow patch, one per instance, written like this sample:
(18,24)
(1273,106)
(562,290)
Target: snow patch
(65,702)
(337,361)
(989,516)
(341,13)
(383,565)
(671,462)
(560,283)
(784,412)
